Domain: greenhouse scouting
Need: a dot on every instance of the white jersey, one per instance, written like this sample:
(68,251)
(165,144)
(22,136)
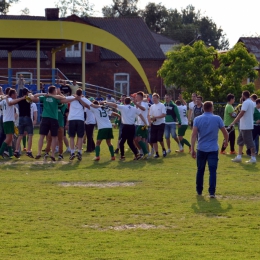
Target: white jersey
(191,105)
(8,111)
(90,120)
(158,110)
(183,114)
(33,109)
(139,121)
(247,120)
(102,117)
(76,111)
(128,114)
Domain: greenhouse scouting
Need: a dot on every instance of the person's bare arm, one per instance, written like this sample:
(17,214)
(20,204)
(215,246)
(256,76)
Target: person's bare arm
(161,116)
(182,100)
(139,106)
(193,141)
(111,104)
(35,115)
(14,101)
(116,114)
(242,112)
(226,136)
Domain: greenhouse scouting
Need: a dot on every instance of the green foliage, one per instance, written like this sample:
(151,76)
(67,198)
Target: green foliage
(191,69)
(5,4)
(78,7)
(237,65)
(121,8)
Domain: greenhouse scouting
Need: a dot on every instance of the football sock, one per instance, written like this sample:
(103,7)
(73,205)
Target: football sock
(143,146)
(97,149)
(24,141)
(185,141)
(111,150)
(10,150)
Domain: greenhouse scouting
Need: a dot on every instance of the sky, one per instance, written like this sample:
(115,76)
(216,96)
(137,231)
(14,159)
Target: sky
(236,18)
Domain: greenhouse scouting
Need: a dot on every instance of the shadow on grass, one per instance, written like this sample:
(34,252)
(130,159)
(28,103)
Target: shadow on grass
(210,208)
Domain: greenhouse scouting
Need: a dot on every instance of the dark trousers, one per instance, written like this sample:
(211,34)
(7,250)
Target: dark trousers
(2,133)
(212,159)
(232,139)
(89,133)
(255,133)
(128,134)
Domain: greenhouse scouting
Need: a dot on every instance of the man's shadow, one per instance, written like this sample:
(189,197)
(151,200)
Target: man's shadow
(209,208)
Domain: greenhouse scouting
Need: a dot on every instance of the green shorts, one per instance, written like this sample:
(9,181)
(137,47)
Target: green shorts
(9,127)
(105,133)
(182,129)
(141,132)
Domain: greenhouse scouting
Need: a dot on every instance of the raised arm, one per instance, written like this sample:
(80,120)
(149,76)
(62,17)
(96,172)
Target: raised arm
(14,101)
(111,104)
(182,100)
(139,106)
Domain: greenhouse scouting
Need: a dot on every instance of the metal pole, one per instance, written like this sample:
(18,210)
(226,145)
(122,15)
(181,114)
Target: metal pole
(83,55)
(10,71)
(38,65)
(53,65)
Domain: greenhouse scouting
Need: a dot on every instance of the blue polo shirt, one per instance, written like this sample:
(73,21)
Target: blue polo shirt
(208,126)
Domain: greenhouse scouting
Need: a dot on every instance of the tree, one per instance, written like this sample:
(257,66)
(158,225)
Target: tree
(191,69)
(78,7)
(155,16)
(5,4)
(236,66)
(25,11)
(119,8)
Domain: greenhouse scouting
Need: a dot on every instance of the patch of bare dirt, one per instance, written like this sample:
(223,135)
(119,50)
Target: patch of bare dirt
(98,185)
(18,162)
(125,227)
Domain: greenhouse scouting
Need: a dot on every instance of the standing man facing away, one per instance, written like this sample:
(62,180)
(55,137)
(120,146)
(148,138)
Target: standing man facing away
(156,118)
(206,127)
(246,117)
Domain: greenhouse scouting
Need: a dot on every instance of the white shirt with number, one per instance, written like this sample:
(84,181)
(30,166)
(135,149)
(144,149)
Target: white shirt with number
(139,121)
(90,120)
(158,110)
(128,114)
(33,109)
(183,114)
(76,111)
(102,117)
(247,120)
(8,111)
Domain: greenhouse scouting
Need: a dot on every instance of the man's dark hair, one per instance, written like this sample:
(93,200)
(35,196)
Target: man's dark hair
(246,93)
(254,97)
(95,102)
(51,89)
(79,92)
(207,106)
(140,93)
(230,96)
(7,90)
(127,100)
(257,101)
(178,102)
(200,97)
(11,92)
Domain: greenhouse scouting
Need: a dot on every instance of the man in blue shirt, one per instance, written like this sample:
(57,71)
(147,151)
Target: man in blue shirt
(206,128)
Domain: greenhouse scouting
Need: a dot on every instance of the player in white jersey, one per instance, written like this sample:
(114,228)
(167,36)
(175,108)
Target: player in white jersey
(105,130)
(191,106)
(141,130)
(128,116)
(182,107)
(8,120)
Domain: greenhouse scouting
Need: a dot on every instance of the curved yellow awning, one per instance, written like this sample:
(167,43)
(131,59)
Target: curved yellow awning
(63,30)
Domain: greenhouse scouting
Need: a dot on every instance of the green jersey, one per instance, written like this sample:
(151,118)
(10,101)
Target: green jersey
(228,119)
(256,115)
(50,107)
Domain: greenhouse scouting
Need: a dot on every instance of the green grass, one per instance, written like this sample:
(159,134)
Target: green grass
(40,219)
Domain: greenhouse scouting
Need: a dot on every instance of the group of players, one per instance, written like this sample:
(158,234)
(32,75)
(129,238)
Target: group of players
(141,124)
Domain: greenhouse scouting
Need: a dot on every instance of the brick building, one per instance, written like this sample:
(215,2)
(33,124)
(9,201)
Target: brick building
(103,67)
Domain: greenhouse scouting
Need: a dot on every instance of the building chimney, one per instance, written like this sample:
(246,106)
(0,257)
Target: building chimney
(52,14)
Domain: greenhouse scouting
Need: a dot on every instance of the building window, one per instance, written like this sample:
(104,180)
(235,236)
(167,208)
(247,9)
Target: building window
(73,51)
(28,77)
(121,83)
(89,47)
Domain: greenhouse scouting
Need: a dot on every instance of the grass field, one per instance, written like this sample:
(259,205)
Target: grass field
(127,210)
